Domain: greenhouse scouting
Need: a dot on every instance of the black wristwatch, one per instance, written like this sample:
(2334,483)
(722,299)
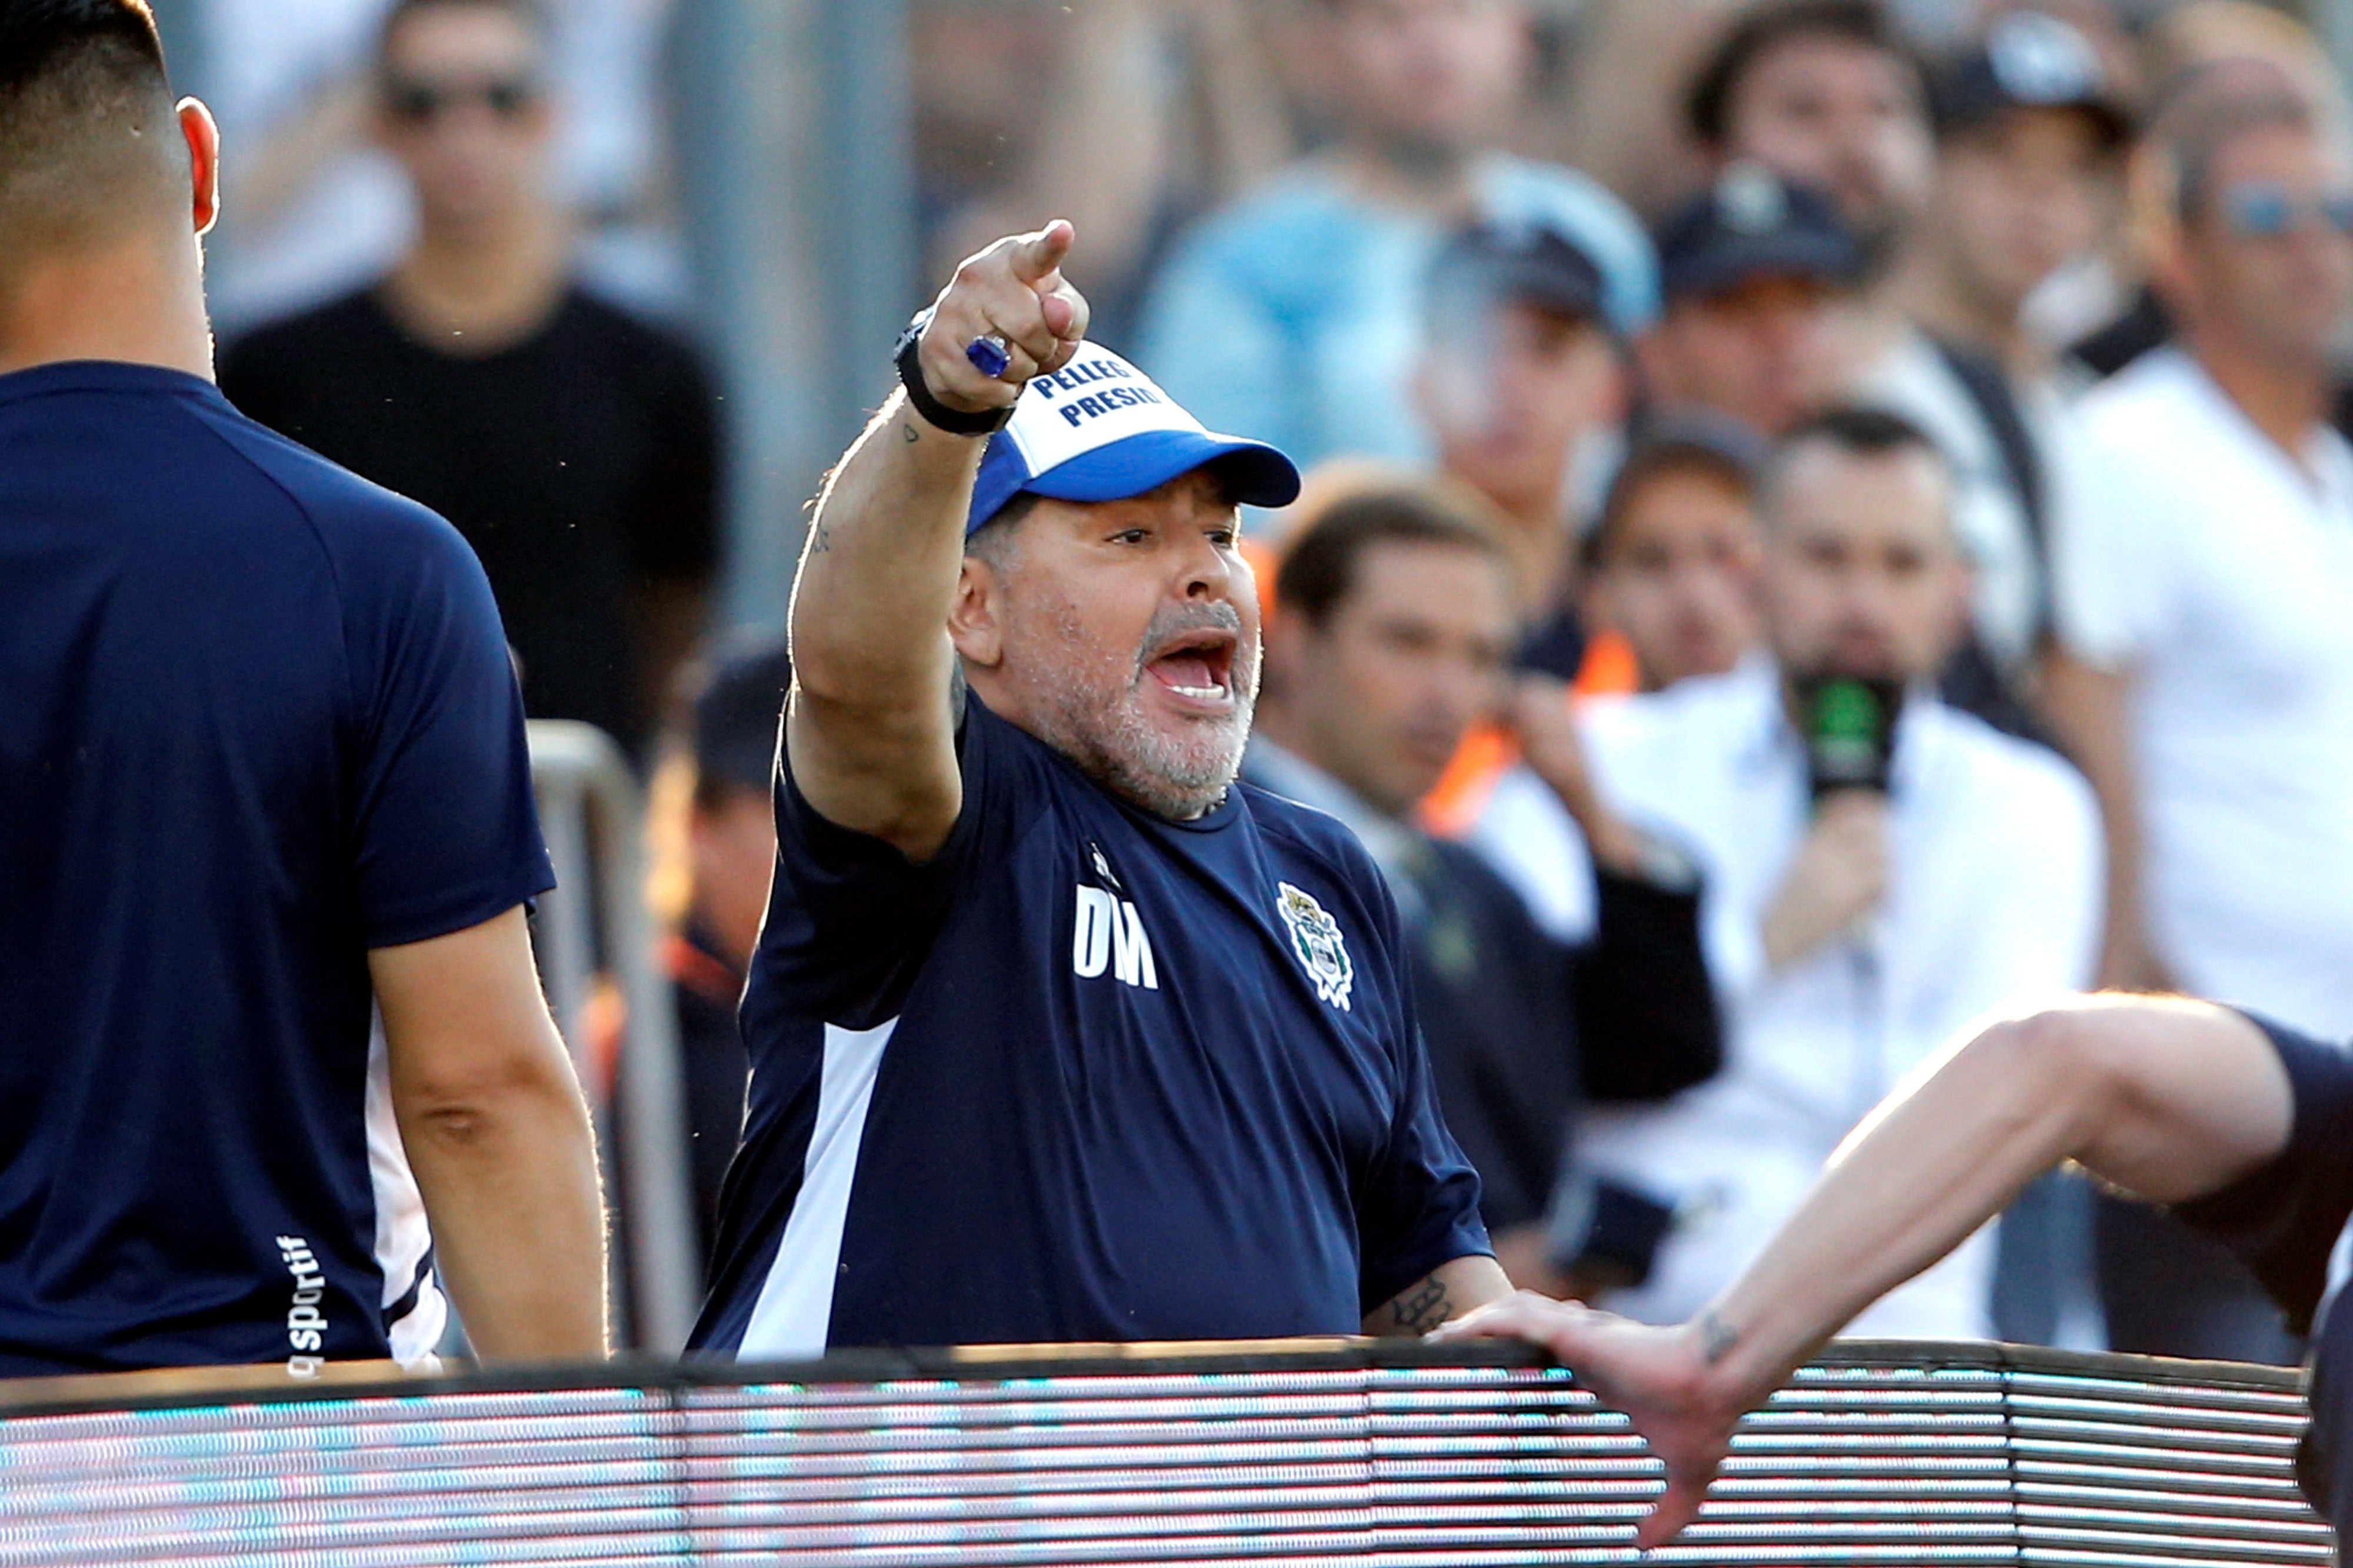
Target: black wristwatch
(908,355)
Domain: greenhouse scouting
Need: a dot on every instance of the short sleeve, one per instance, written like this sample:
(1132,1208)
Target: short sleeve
(2285,1218)
(1420,1206)
(850,918)
(447,831)
(2108,553)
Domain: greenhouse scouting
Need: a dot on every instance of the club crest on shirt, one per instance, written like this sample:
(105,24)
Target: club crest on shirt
(1316,938)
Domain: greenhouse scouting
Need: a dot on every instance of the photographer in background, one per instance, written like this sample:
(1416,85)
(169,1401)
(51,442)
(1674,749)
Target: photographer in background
(1880,868)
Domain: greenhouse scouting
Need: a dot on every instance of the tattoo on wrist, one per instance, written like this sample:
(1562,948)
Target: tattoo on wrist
(1424,1308)
(820,537)
(1716,1338)
(907,434)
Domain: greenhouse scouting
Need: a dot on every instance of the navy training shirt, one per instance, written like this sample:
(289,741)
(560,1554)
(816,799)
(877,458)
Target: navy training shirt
(2289,1220)
(257,718)
(1086,1074)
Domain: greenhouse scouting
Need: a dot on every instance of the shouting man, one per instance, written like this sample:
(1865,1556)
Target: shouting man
(1057,1033)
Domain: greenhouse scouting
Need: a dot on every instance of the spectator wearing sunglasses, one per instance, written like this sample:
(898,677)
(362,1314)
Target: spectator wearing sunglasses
(2204,598)
(574,446)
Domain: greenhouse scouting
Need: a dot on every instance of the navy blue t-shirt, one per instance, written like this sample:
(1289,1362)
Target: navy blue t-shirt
(257,718)
(1086,1074)
(2289,1220)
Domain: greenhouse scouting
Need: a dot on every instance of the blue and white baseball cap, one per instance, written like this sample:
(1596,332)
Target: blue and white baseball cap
(1098,429)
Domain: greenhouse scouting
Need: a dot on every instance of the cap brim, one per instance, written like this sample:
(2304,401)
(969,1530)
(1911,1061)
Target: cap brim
(1254,473)
(1822,258)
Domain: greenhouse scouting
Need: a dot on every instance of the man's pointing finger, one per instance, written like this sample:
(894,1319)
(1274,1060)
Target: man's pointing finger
(1037,257)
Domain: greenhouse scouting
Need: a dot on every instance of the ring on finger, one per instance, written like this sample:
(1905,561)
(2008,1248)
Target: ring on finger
(991,354)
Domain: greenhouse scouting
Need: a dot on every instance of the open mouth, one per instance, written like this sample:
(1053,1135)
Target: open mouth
(1198,666)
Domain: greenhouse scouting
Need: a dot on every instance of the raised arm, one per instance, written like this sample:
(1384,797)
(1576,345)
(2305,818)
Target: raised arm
(869,728)
(499,1137)
(2170,1099)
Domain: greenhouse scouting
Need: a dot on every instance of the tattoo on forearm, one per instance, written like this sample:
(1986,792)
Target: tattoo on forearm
(907,434)
(820,538)
(1716,1338)
(1424,1309)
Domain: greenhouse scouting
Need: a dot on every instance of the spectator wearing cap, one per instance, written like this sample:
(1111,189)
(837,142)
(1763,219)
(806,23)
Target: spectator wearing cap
(1671,562)
(2204,596)
(1754,271)
(1396,636)
(1880,868)
(1523,385)
(2029,131)
(1294,315)
(716,835)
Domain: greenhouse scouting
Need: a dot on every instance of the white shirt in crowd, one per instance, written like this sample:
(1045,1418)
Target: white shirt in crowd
(2195,554)
(1994,905)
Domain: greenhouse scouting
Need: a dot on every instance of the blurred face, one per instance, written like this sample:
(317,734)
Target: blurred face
(463,105)
(1416,653)
(1429,78)
(733,844)
(2020,198)
(1510,413)
(1862,574)
(1835,113)
(1680,580)
(1767,353)
(1125,635)
(2263,260)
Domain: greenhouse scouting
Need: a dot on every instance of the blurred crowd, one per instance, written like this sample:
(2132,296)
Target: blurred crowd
(1830,521)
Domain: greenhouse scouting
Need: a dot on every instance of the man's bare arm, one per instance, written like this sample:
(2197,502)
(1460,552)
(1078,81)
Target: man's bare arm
(870,729)
(2168,1099)
(499,1137)
(1461,1286)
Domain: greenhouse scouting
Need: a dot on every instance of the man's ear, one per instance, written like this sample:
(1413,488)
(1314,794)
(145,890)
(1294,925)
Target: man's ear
(202,137)
(975,623)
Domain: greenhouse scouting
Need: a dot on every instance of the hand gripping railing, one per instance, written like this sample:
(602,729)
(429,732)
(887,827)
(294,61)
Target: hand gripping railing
(1318,1452)
(593,814)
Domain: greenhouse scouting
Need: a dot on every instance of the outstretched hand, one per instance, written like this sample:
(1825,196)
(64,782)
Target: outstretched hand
(1661,1378)
(1015,289)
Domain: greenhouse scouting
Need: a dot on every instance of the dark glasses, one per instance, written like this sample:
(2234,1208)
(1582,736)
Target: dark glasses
(419,102)
(2264,209)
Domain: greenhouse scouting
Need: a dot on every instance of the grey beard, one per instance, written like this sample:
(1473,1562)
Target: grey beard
(1114,744)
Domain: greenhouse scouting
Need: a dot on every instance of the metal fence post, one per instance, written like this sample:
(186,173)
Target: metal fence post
(593,814)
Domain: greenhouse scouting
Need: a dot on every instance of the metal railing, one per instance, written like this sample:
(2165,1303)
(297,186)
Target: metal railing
(1321,1452)
(596,924)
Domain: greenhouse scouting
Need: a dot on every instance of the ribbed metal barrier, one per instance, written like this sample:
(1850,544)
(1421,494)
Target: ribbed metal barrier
(1331,1452)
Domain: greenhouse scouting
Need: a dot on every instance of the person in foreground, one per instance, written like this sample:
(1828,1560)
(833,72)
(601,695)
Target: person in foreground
(1057,1033)
(262,773)
(2244,1129)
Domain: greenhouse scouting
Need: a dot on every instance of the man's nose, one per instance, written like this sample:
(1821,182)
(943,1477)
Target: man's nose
(1209,575)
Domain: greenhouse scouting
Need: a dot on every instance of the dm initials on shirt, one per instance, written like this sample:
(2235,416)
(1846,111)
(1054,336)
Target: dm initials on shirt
(1110,935)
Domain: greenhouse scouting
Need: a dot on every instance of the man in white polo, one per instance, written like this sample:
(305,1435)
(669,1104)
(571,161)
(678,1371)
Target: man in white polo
(2204,597)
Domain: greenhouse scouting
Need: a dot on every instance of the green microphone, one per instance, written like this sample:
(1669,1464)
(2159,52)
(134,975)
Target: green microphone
(1849,726)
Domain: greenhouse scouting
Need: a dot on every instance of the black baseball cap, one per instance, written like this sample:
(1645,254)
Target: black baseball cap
(2029,59)
(1524,262)
(1750,223)
(736,712)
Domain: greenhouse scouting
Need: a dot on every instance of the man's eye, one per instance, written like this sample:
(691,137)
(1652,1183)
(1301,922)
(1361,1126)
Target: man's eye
(1225,538)
(1130,536)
